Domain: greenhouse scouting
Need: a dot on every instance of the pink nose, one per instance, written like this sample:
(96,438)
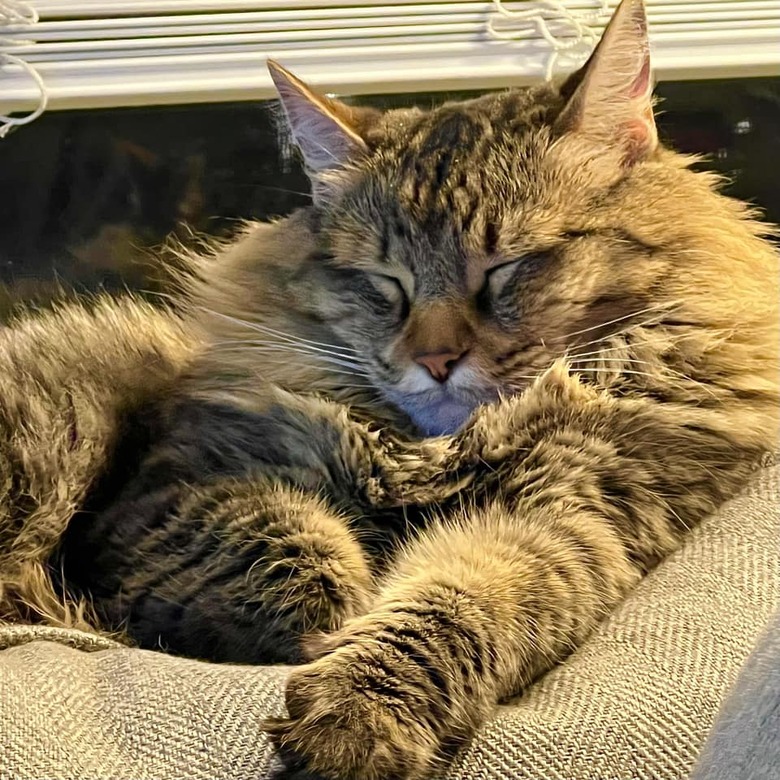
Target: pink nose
(439,364)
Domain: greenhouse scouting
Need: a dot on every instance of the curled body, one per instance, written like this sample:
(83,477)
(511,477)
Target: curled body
(428,432)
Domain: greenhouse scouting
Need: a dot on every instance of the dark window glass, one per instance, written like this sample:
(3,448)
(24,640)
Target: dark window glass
(86,195)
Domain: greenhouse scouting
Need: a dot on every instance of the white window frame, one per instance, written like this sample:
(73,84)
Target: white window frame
(101,53)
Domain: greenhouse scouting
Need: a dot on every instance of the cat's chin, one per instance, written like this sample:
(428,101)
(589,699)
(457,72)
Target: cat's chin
(440,418)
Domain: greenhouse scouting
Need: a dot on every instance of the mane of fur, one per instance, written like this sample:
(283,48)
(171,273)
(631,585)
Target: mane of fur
(68,380)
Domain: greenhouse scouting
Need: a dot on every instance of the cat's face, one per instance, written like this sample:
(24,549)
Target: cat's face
(467,247)
(442,285)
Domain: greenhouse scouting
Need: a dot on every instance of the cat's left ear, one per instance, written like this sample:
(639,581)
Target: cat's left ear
(610,100)
(327,132)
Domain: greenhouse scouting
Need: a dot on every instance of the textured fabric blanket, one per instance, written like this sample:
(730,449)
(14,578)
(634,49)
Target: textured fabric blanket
(635,703)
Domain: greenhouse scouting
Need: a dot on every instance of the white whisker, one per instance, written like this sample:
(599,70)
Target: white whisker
(598,359)
(661,370)
(289,344)
(662,308)
(624,371)
(280,350)
(632,328)
(281,334)
(274,332)
(671,339)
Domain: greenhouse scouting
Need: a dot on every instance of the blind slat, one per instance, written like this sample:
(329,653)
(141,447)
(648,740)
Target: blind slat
(119,8)
(97,8)
(310,23)
(122,52)
(658,12)
(734,30)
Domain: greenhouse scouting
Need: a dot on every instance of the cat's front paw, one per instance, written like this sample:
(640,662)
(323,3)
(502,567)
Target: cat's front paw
(420,472)
(346,723)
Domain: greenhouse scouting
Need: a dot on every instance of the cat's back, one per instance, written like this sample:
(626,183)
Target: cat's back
(69,379)
(93,341)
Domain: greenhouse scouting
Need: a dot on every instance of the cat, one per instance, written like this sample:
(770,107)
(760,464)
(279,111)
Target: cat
(424,434)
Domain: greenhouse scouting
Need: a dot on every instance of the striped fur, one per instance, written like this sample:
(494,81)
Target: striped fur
(253,478)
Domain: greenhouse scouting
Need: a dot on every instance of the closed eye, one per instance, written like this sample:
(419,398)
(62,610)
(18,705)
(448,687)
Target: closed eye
(393,291)
(497,277)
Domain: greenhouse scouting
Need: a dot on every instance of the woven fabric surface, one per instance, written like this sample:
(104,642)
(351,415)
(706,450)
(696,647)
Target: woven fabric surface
(635,703)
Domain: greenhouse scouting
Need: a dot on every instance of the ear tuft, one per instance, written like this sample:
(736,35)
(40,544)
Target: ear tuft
(612,101)
(319,125)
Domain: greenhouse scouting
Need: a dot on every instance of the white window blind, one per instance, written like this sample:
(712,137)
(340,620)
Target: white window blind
(90,53)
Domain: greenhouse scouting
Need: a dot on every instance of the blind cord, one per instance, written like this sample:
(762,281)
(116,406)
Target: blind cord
(18,12)
(563,28)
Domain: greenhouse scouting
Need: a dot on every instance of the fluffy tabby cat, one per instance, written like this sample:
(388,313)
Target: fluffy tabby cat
(516,325)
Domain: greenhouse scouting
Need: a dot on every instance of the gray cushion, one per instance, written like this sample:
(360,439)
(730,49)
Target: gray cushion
(635,703)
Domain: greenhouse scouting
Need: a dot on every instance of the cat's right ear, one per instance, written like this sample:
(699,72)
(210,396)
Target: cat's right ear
(610,101)
(325,130)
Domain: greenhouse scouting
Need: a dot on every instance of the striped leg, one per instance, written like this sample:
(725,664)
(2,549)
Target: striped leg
(588,492)
(474,610)
(238,571)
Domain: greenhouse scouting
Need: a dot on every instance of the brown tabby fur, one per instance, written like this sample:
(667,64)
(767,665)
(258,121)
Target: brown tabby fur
(67,380)
(225,481)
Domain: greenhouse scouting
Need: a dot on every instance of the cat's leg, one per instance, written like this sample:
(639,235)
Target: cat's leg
(227,542)
(239,570)
(475,609)
(588,492)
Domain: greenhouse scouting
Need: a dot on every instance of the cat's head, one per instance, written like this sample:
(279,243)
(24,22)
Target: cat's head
(466,246)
